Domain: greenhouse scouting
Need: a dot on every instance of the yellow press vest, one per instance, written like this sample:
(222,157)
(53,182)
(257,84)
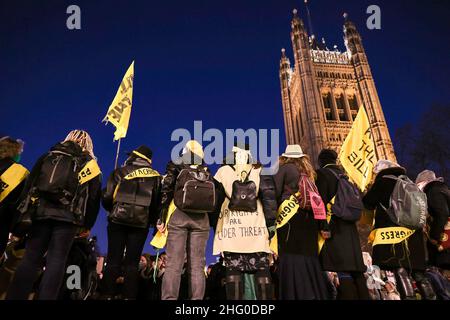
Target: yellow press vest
(389,235)
(11,178)
(285,212)
(89,172)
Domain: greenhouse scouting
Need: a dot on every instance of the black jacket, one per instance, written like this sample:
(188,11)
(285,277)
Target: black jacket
(9,205)
(90,198)
(393,256)
(342,252)
(438,199)
(300,234)
(116,177)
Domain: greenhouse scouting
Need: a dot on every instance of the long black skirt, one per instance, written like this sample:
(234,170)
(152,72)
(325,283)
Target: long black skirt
(301,278)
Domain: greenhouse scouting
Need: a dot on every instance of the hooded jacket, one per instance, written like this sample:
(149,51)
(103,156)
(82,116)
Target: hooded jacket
(146,217)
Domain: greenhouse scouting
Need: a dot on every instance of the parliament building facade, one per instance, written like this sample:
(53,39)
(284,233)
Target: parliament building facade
(322,92)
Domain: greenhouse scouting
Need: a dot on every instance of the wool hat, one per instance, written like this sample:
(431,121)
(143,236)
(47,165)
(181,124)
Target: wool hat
(143,152)
(327,156)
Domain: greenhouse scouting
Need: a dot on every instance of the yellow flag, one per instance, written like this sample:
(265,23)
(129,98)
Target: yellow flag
(357,154)
(120,109)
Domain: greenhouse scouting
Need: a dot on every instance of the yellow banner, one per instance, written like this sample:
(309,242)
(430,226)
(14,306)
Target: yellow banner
(390,235)
(89,171)
(357,154)
(11,178)
(286,211)
(120,109)
(160,239)
(142,173)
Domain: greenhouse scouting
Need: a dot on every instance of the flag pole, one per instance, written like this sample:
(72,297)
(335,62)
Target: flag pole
(117,154)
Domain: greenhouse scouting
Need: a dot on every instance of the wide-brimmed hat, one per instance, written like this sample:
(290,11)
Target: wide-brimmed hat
(143,152)
(384,164)
(293,151)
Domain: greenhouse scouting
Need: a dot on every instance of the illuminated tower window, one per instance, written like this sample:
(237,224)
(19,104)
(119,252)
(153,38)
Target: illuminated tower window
(340,103)
(353,103)
(326,98)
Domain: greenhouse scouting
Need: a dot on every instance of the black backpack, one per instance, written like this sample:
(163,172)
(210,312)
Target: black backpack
(195,190)
(58,178)
(132,202)
(243,195)
(348,203)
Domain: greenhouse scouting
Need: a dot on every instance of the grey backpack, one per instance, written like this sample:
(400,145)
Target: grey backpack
(408,204)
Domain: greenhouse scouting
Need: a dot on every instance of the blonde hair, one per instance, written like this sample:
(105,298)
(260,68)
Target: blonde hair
(83,139)
(303,165)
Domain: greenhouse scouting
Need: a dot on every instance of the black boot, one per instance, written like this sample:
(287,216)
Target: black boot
(404,284)
(424,286)
(234,287)
(264,288)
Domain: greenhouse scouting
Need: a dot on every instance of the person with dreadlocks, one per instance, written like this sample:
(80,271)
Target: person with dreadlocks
(12,180)
(63,196)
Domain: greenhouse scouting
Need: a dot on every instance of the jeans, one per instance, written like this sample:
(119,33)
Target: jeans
(121,238)
(55,238)
(188,234)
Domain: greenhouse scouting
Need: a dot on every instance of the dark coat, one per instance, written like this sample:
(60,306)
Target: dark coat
(91,198)
(438,199)
(388,256)
(342,252)
(146,217)
(300,234)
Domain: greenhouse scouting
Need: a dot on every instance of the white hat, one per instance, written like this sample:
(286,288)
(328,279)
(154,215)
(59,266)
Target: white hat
(293,151)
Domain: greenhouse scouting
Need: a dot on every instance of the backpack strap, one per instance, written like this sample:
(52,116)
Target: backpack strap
(391,176)
(338,176)
(248,173)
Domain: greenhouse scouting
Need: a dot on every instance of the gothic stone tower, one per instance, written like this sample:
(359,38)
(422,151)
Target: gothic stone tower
(321,95)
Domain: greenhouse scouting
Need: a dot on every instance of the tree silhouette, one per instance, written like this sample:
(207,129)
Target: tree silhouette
(426,144)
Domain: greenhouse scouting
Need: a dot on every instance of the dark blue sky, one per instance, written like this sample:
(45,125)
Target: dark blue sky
(214,60)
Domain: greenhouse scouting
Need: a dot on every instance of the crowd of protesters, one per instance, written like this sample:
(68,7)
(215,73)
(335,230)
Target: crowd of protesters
(294,235)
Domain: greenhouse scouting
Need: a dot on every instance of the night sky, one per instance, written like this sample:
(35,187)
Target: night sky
(214,60)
